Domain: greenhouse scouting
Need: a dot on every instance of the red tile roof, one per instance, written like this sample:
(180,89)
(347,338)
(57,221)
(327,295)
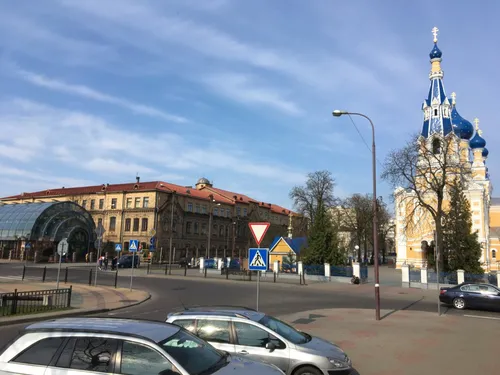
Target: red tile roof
(219,195)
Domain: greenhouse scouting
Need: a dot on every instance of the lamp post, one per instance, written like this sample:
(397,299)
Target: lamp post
(212,200)
(171,234)
(338,113)
(233,254)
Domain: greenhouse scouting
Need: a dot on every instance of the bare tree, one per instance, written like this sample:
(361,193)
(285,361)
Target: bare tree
(357,219)
(317,190)
(423,170)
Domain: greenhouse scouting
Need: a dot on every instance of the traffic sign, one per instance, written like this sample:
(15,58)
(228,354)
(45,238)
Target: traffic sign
(257,259)
(62,247)
(152,242)
(152,232)
(27,245)
(133,246)
(259,231)
(118,247)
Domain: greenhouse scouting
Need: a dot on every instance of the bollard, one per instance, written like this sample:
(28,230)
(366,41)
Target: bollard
(205,272)
(44,274)
(24,272)
(166,268)
(147,270)
(185,270)
(66,276)
(116,279)
(69,296)
(304,278)
(227,273)
(300,278)
(249,275)
(13,310)
(274,273)
(90,277)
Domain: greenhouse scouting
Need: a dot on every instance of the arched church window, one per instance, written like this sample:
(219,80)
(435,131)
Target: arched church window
(493,254)
(435,112)
(436,147)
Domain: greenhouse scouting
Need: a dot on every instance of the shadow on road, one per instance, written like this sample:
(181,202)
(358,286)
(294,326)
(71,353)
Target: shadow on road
(403,308)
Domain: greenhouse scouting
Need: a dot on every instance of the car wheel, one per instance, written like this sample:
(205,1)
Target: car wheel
(459,303)
(307,370)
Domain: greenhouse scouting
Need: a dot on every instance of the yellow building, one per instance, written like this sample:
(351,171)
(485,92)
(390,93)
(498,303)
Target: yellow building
(443,125)
(140,210)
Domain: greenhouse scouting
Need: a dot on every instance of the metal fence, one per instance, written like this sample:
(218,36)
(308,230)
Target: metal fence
(415,276)
(343,271)
(444,278)
(314,269)
(74,275)
(34,301)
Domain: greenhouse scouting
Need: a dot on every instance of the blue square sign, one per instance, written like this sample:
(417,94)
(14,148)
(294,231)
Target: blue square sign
(257,259)
(133,246)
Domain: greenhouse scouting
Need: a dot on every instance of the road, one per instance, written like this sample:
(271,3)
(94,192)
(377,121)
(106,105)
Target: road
(276,299)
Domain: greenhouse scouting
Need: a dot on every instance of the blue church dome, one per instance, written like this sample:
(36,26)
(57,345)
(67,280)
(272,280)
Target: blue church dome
(435,53)
(461,126)
(485,152)
(477,141)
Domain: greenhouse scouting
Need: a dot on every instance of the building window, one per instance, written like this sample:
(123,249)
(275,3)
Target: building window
(196,228)
(137,203)
(129,202)
(113,203)
(112,224)
(145,202)
(436,146)
(135,228)
(84,203)
(228,212)
(128,224)
(204,228)
(216,211)
(214,230)
(435,112)
(493,254)
(244,212)
(188,227)
(144,225)
(92,204)
(99,222)
(190,207)
(101,204)
(238,211)
(198,209)
(221,231)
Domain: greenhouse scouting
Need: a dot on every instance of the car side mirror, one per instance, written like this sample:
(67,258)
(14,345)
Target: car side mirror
(270,346)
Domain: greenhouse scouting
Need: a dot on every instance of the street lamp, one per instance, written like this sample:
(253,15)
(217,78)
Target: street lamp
(338,113)
(356,252)
(212,200)
(171,233)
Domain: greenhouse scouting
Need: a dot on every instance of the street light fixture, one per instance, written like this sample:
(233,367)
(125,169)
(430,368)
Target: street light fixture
(338,113)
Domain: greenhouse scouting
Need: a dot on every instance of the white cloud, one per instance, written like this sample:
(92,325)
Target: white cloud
(89,93)
(241,88)
(114,167)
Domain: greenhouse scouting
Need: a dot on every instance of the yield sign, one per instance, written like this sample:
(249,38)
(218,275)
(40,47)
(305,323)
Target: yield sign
(259,231)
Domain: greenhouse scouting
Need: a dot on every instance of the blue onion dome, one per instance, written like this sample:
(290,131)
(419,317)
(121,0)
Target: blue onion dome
(461,126)
(485,152)
(436,52)
(477,141)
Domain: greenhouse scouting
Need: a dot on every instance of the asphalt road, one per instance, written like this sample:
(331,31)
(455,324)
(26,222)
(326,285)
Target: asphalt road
(275,299)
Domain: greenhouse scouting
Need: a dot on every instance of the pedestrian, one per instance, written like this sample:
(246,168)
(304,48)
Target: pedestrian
(100,262)
(106,264)
(113,263)
(87,258)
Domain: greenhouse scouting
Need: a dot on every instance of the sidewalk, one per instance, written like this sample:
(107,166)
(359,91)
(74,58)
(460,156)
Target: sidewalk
(408,342)
(84,300)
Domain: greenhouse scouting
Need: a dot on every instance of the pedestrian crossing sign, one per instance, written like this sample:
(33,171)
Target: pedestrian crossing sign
(258,259)
(133,246)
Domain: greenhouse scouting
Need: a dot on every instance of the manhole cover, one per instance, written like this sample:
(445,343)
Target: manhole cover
(128,300)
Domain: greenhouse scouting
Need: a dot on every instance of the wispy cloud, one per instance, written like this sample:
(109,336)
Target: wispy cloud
(90,93)
(242,88)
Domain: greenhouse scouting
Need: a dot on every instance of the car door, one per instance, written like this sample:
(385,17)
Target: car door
(491,297)
(84,355)
(35,359)
(215,331)
(472,295)
(251,341)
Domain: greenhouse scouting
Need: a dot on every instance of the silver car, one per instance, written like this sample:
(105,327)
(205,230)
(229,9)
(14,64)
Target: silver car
(79,346)
(261,337)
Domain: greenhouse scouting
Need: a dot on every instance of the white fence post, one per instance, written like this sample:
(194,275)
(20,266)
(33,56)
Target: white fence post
(202,264)
(423,278)
(405,276)
(219,263)
(498,279)
(356,270)
(460,276)
(276,266)
(327,270)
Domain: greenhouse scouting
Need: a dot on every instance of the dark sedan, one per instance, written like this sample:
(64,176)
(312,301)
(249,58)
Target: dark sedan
(471,295)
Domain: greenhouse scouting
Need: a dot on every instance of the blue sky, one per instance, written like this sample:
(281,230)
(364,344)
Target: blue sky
(240,92)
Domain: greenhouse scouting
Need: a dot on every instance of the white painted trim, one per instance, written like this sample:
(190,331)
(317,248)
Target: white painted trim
(482,317)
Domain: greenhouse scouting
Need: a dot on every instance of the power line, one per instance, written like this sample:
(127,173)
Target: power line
(363,139)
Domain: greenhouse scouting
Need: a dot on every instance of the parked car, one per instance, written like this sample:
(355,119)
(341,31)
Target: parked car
(262,337)
(125,261)
(471,295)
(121,346)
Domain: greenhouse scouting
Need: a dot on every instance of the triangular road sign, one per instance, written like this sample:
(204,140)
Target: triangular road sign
(133,245)
(259,230)
(257,260)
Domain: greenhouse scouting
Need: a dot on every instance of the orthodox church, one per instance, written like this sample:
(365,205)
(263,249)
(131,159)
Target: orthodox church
(442,121)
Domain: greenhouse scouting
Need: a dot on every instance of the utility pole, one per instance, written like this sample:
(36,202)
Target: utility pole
(171,234)
(233,254)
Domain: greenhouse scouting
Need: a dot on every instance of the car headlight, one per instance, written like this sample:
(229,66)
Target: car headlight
(338,363)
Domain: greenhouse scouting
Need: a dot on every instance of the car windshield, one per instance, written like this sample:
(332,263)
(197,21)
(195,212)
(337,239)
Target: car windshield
(195,355)
(285,330)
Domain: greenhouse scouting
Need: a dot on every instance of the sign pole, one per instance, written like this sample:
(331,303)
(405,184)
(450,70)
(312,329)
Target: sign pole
(60,261)
(258,230)
(258,283)
(132,275)
(97,262)
(134,249)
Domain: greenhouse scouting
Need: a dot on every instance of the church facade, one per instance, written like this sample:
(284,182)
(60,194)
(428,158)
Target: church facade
(443,124)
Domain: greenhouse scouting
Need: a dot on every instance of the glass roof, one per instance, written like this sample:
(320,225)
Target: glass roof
(17,220)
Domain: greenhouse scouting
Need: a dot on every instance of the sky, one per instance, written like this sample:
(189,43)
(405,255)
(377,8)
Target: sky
(240,92)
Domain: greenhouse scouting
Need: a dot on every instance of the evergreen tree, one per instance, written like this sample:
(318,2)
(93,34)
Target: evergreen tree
(461,247)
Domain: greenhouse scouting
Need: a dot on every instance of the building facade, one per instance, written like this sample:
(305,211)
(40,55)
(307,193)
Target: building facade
(193,219)
(443,124)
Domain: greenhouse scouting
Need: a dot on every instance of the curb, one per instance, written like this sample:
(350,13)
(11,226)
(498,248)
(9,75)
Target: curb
(69,314)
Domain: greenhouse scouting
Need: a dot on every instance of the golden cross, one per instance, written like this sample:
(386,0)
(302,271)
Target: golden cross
(435,33)
(454,97)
